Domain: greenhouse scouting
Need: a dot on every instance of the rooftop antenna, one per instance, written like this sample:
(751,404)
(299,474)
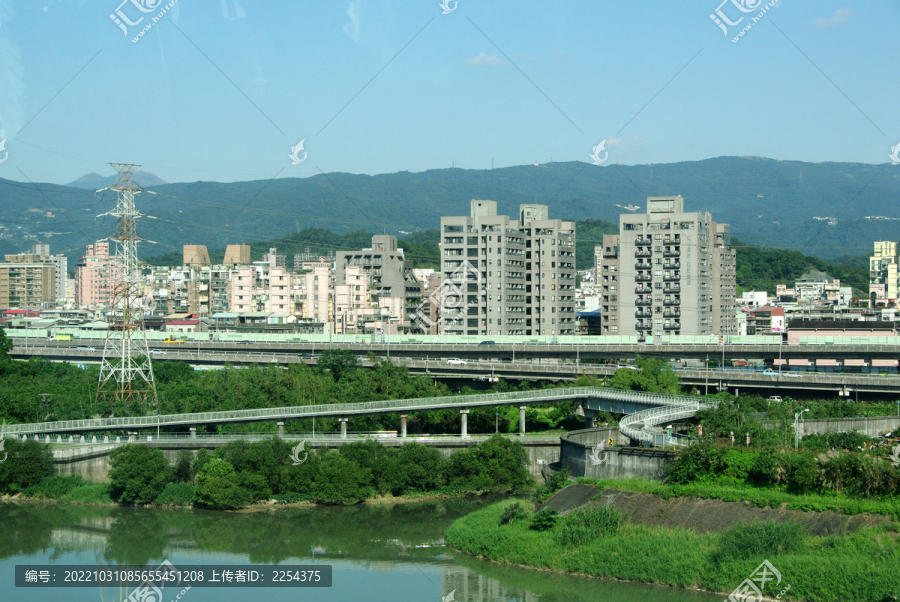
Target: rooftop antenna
(126,373)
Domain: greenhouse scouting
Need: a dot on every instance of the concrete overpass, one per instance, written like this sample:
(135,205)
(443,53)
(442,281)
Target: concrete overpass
(490,370)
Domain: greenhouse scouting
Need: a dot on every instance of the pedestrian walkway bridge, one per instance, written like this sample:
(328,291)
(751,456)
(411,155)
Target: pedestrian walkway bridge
(591,399)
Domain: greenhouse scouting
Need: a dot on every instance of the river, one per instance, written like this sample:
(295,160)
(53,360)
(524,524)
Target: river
(378,553)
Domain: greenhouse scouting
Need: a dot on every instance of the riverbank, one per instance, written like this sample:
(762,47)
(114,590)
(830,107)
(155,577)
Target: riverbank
(863,566)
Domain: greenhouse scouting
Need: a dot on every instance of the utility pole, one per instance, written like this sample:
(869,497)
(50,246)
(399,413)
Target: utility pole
(126,373)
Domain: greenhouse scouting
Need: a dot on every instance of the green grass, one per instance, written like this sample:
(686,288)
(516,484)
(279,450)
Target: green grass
(177,494)
(863,566)
(732,490)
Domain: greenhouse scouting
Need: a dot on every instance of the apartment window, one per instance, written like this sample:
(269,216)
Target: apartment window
(657,249)
(658,273)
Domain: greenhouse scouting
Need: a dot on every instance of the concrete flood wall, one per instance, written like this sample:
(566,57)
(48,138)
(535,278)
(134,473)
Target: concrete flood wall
(875,426)
(578,455)
(92,461)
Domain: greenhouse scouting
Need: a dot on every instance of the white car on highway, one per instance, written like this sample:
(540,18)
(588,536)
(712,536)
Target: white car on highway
(456,362)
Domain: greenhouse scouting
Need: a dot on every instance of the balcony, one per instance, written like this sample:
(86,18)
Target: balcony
(672,302)
(611,253)
(643,302)
(672,326)
(642,266)
(672,277)
(642,241)
(672,265)
(676,313)
(671,288)
(642,278)
(643,253)
(643,326)
(643,313)
(642,290)
(673,252)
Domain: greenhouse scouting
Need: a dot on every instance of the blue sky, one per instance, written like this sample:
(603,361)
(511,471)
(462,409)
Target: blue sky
(508,81)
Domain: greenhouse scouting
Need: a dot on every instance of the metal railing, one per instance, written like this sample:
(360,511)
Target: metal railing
(642,426)
(348,409)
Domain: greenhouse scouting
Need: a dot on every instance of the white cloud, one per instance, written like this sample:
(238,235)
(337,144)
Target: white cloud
(352,28)
(482,59)
(841,15)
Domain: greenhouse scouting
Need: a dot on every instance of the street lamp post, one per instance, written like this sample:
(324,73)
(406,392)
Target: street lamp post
(314,426)
(496,422)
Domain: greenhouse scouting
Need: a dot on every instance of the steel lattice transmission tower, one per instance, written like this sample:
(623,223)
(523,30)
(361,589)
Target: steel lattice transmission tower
(126,372)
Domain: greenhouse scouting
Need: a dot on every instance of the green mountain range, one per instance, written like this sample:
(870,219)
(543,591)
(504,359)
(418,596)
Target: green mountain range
(767,202)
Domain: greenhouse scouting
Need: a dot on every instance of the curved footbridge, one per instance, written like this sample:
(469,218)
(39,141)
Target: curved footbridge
(644,412)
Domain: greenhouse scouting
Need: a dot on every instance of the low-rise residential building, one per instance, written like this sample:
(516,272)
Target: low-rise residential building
(884,277)
(766,320)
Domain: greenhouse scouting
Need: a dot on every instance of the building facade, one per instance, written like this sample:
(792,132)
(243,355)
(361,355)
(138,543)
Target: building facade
(507,277)
(884,279)
(667,272)
(95,277)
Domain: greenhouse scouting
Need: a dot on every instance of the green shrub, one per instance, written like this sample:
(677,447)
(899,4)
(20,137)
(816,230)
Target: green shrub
(587,524)
(557,481)
(55,487)
(822,442)
(90,493)
(802,473)
(184,471)
(254,484)
(498,464)
(380,460)
(699,461)
(544,520)
(737,464)
(177,494)
(138,473)
(766,469)
(217,487)
(27,463)
(420,468)
(758,539)
(513,513)
(340,481)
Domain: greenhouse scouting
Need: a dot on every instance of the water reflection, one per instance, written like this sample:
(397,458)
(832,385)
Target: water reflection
(379,553)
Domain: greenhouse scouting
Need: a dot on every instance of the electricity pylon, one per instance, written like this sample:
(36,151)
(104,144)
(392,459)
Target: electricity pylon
(126,372)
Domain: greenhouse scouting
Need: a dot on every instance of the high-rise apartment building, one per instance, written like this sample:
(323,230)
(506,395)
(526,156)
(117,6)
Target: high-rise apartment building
(28,284)
(95,276)
(522,275)
(884,279)
(40,253)
(667,272)
(390,275)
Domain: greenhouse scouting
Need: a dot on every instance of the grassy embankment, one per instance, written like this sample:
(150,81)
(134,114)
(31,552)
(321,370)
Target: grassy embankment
(601,543)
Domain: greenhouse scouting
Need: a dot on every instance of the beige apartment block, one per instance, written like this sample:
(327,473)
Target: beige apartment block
(27,285)
(667,272)
(507,277)
(884,279)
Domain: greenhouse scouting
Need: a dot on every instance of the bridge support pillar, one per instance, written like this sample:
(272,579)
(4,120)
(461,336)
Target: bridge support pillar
(737,392)
(343,422)
(106,438)
(403,418)
(193,430)
(522,421)
(280,428)
(464,422)
(47,439)
(59,438)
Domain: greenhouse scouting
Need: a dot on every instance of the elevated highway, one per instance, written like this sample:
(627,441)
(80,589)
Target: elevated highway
(490,369)
(512,352)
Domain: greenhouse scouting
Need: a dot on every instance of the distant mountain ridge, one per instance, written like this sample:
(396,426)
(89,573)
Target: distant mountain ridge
(94,181)
(778,204)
